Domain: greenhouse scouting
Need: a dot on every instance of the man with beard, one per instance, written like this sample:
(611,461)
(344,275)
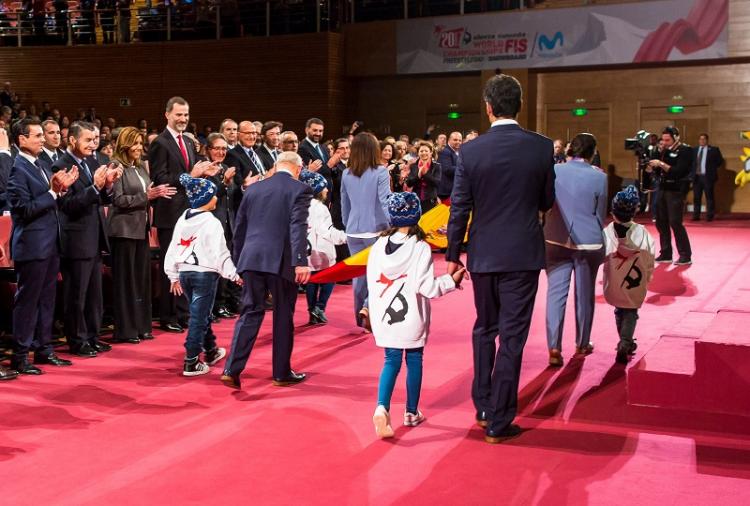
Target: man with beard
(310,150)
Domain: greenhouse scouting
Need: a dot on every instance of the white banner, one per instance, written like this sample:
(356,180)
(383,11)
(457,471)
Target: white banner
(665,30)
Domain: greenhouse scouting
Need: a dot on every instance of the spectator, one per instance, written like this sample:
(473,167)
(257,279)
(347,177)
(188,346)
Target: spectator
(448,159)
(424,176)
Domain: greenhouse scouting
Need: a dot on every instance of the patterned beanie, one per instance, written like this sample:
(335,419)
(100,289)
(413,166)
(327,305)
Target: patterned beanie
(199,191)
(404,208)
(317,182)
(625,203)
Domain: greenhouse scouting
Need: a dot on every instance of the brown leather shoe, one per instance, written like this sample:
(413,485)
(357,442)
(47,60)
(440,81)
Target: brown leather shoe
(481,418)
(585,350)
(231,381)
(555,358)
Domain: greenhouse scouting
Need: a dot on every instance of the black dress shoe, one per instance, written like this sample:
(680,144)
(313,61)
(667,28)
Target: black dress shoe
(83,350)
(26,368)
(481,418)
(52,359)
(183,323)
(148,336)
(231,381)
(663,259)
(7,374)
(101,347)
(292,379)
(171,327)
(128,340)
(509,432)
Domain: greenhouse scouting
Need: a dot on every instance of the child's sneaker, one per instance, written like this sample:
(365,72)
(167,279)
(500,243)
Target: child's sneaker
(412,420)
(194,367)
(213,356)
(382,421)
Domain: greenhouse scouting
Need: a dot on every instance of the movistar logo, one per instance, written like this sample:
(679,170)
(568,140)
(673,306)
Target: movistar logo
(550,44)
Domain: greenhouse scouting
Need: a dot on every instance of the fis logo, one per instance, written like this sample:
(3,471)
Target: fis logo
(547,44)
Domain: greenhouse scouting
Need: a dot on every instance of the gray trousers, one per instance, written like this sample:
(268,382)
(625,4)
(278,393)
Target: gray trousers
(625,319)
(561,262)
(359,285)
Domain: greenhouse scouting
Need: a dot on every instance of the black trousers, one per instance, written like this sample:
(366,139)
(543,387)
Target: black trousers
(668,220)
(504,302)
(284,292)
(34,307)
(172,309)
(703,184)
(131,287)
(82,303)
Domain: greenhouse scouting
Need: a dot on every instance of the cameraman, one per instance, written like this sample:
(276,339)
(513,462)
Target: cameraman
(674,168)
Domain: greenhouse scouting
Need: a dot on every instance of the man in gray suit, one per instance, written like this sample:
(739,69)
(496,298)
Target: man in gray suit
(575,244)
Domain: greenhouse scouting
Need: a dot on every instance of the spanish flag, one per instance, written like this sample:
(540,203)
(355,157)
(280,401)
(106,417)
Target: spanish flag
(434,223)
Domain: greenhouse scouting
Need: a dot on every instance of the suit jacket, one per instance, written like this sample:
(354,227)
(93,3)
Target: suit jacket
(44,157)
(82,224)
(265,157)
(505,177)
(426,187)
(33,210)
(128,216)
(225,210)
(714,160)
(238,158)
(577,218)
(166,164)
(6,164)
(308,153)
(448,159)
(99,158)
(271,230)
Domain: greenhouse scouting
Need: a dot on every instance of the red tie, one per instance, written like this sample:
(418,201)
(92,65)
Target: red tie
(183,151)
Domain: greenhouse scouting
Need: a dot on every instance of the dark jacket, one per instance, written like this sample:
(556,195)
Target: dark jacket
(680,160)
(166,165)
(128,216)
(271,231)
(448,160)
(265,157)
(714,161)
(426,187)
(308,153)
(506,178)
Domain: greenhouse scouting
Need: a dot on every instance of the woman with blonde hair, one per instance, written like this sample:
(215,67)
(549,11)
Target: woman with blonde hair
(129,226)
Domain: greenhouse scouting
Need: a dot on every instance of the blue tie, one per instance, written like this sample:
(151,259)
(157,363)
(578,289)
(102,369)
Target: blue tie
(86,170)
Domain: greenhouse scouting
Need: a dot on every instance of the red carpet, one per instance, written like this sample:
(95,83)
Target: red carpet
(126,428)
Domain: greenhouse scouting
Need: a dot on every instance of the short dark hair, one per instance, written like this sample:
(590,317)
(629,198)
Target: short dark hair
(704,134)
(503,93)
(175,101)
(314,121)
(77,127)
(340,140)
(23,127)
(269,125)
(582,146)
(49,122)
(671,130)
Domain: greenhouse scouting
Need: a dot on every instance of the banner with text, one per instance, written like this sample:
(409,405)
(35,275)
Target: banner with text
(667,30)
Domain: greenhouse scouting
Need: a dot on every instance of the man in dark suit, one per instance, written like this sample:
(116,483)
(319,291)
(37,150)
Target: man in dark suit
(83,238)
(270,252)
(170,155)
(33,194)
(97,156)
(6,163)
(244,159)
(268,151)
(506,177)
(708,160)
(448,160)
(311,150)
(52,139)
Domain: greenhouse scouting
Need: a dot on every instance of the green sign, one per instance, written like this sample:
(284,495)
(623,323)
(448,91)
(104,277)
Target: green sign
(454,115)
(580,111)
(676,109)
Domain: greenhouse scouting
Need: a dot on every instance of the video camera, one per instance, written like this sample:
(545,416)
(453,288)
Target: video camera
(641,147)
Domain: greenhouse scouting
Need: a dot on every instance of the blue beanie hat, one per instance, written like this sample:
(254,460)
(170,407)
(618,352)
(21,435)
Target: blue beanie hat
(317,182)
(404,208)
(625,203)
(199,191)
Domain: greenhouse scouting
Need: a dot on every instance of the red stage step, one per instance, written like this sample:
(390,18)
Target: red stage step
(699,373)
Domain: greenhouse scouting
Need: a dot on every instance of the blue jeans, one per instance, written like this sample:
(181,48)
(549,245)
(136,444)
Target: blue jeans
(390,371)
(200,291)
(359,285)
(318,295)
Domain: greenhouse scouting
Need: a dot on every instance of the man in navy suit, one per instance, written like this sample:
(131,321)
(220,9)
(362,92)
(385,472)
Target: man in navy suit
(506,178)
(270,252)
(708,159)
(448,160)
(311,149)
(33,194)
(83,238)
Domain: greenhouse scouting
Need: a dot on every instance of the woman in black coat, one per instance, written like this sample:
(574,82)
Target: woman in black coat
(424,176)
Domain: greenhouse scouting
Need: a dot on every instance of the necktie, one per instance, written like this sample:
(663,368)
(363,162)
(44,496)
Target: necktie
(39,166)
(54,157)
(86,170)
(258,164)
(317,148)
(274,155)
(183,151)
(702,159)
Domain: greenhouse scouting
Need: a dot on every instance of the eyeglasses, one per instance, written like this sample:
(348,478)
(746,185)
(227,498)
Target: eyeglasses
(249,133)
(291,142)
(217,148)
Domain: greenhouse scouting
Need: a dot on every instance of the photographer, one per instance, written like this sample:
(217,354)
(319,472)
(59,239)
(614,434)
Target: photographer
(673,170)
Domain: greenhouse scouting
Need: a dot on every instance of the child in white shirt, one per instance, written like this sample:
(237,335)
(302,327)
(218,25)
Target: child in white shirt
(401,280)
(628,267)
